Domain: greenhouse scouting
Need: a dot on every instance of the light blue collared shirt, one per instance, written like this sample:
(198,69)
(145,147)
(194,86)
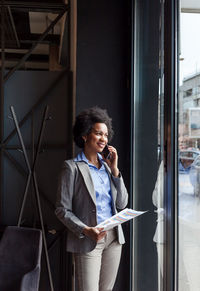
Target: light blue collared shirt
(102,188)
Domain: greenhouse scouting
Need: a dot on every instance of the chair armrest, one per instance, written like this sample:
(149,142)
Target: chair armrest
(30,280)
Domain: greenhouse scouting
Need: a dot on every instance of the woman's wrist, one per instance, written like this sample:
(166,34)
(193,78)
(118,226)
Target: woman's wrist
(115,172)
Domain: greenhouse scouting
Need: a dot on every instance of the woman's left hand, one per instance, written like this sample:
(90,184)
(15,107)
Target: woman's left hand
(113,161)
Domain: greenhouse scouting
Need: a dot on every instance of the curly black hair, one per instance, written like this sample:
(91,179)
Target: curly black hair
(85,121)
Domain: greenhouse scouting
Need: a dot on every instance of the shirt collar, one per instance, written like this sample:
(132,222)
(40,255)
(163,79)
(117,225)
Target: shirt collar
(82,158)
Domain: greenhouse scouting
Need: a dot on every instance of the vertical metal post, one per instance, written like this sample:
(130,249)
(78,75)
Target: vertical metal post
(131,228)
(2,100)
(170,144)
(72,11)
(68,19)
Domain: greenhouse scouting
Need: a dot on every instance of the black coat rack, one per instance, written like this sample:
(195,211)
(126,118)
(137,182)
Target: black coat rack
(32,176)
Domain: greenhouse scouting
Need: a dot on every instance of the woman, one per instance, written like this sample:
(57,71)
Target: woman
(91,190)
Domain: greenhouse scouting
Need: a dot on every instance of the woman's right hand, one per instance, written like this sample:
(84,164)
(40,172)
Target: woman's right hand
(94,233)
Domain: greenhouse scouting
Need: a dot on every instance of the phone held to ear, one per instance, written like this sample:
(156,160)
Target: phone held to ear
(106,153)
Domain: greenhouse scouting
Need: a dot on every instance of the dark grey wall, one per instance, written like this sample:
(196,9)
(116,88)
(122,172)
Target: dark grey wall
(102,65)
(103,61)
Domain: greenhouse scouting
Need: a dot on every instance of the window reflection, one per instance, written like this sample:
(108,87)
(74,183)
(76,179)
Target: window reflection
(158,201)
(158,191)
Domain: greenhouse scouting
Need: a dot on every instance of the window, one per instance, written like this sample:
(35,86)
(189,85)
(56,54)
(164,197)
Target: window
(189,158)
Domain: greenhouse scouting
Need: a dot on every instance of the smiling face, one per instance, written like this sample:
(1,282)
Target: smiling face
(96,140)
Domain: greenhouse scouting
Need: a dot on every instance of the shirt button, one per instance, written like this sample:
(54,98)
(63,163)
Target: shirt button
(93,210)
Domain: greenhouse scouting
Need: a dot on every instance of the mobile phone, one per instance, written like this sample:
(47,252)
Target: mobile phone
(106,153)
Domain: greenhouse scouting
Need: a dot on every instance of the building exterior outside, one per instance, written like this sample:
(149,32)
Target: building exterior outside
(189,111)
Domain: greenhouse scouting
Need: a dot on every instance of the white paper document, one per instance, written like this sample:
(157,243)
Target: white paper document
(119,218)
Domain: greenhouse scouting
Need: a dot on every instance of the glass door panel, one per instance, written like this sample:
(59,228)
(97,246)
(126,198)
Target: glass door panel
(148,146)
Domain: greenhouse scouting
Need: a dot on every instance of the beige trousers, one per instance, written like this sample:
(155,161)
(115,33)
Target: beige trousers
(97,270)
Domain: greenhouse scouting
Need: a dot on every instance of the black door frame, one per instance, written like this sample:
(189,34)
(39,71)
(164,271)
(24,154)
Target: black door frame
(170,143)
